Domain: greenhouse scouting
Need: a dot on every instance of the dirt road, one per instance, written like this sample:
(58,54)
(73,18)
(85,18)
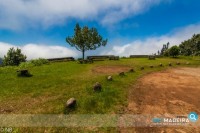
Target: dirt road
(174,91)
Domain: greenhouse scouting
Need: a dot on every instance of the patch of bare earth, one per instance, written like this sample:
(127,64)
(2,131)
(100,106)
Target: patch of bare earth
(174,91)
(110,69)
(26,105)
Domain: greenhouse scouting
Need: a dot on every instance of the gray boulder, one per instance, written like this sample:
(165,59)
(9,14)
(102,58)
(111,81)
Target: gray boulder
(109,78)
(121,74)
(187,63)
(71,103)
(151,66)
(97,86)
(131,70)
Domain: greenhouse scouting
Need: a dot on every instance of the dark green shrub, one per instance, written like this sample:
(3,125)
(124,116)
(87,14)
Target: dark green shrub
(14,57)
(174,51)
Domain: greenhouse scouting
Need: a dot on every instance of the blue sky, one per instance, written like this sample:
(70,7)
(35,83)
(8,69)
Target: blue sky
(39,27)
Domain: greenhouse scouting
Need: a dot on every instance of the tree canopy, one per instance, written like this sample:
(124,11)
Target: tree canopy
(174,51)
(85,39)
(191,46)
(14,57)
(164,49)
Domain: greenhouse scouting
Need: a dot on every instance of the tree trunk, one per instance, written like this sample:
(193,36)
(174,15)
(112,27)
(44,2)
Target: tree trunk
(83,52)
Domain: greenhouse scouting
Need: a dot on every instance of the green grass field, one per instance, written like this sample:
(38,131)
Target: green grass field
(47,91)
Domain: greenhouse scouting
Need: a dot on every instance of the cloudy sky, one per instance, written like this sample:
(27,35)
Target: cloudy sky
(39,27)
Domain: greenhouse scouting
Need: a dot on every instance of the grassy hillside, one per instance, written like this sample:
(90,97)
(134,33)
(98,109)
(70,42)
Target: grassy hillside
(52,85)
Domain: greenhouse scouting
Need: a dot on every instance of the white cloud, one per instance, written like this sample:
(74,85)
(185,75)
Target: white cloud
(33,51)
(4,48)
(147,46)
(15,14)
(153,44)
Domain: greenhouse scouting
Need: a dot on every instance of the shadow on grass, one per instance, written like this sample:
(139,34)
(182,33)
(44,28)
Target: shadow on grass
(69,110)
(24,75)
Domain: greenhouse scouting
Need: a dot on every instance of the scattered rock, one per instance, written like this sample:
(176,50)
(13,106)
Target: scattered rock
(151,66)
(170,64)
(187,63)
(161,65)
(71,103)
(121,74)
(131,70)
(23,73)
(142,68)
(109,78)
(97,86)
(178,63)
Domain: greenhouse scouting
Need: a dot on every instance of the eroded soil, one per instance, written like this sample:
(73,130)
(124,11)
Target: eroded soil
(174,91)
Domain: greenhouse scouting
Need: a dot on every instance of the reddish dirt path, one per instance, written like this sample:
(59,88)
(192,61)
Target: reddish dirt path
(174,91)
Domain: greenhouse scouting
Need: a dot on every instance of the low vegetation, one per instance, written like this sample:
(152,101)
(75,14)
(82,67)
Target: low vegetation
(48,90)
(57,82)
(31,63)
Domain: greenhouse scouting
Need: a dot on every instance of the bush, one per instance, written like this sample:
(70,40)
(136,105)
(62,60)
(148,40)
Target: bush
(25,65)
(197,53)
(166,53)
(174,51)
(39,62)
(31,63)
(14,57)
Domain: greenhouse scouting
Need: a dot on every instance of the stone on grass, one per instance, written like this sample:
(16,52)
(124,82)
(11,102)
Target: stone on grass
(170,64)
(161,64)
(97,86)
(23,73)
(121,74)
(178,63)
(71,103)
(131,70)
(151,66)
(142,68)
(109,78)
